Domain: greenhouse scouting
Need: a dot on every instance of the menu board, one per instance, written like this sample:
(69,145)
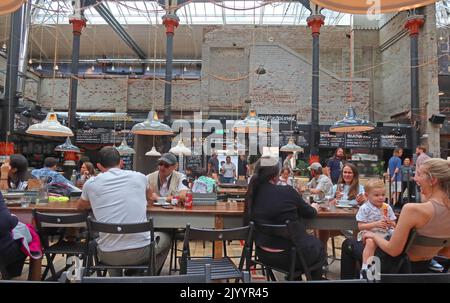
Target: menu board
(127,162)
(286,122)
(393,141)
(101,136)
(331,140)
(194,161)
(361,141)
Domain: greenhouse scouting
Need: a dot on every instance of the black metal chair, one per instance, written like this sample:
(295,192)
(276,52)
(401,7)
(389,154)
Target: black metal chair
(288,232)
(77,248)
(416,239)
(221,267)
(95,227)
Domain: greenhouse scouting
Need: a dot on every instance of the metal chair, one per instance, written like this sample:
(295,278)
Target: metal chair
(111,228)
(77,248)
(221,268)
(288,232)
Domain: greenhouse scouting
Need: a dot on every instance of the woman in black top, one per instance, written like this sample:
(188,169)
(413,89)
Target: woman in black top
(268,203)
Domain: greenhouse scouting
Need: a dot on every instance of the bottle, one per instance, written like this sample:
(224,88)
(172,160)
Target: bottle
(188,201)
(73,178)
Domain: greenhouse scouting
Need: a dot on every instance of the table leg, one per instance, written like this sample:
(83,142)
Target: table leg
(218,224)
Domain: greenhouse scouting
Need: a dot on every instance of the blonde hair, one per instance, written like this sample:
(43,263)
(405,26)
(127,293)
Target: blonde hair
(439,169)
(374,184)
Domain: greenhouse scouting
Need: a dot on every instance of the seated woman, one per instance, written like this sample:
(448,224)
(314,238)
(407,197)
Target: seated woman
(430,218)
(267,203)
(14,173)
(11,256)
(87,171)
(285,178)
(348,187)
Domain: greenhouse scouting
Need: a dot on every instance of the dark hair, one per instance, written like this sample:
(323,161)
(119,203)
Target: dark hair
(423,148)
(90,167)
(50,162)
(109,157)
(354,187)
(262,175)
(283,169)
(20,163)
(198,172)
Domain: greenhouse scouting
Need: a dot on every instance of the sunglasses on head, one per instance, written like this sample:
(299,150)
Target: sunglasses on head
(166,165)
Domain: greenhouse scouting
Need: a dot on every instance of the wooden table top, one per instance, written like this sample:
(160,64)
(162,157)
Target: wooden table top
(221,208)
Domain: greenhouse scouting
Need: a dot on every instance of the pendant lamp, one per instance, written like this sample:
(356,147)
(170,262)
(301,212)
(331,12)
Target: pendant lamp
(50,127)
(180,149)
(291,147)
(351,124)
(9,6)
(153,153)
(67,147)
(251,124)
(368,7)
(124,149)
(151,126)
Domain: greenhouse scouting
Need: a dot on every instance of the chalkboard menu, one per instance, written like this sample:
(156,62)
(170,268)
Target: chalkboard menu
(393,141)
(286,122)
(101,136)
(361,141)
(194,161)
(331,140)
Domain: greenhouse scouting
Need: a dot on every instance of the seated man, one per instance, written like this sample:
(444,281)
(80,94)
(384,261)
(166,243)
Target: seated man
(166,182)
(320,184)
(49,171)
(119,196)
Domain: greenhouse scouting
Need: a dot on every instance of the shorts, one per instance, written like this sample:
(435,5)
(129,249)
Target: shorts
(396,186)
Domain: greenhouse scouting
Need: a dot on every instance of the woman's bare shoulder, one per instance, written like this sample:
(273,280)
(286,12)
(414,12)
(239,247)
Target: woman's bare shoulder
(419,213)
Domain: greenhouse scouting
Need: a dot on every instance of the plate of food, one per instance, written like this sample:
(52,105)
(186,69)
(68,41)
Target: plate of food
(13,195)
(161,202)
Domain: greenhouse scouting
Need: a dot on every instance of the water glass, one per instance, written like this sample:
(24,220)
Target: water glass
(25,201)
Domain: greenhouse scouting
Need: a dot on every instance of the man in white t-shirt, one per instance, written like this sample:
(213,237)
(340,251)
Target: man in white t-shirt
(320,185)
(119,196)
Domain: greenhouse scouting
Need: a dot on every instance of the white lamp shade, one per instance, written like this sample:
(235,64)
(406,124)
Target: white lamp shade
(251,124)
(291,147)
(152,127)
(367,7)
(153,153)
(351,124)
(67,147)
(50,127)
(124,149)
(180,149)
(9,6)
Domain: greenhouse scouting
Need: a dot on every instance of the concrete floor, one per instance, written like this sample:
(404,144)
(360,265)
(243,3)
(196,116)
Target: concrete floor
(233,249)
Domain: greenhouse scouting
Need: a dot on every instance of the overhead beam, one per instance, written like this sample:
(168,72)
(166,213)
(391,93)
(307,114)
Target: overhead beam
(116,26)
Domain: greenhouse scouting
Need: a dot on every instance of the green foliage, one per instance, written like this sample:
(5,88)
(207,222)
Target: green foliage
(379,169)
(302,166)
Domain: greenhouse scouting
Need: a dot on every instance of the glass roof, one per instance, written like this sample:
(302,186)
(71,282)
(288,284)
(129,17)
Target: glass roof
(194,12)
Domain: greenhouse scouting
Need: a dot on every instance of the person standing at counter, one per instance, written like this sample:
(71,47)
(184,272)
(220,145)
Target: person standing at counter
(166,182)
(228,171)
(335,165)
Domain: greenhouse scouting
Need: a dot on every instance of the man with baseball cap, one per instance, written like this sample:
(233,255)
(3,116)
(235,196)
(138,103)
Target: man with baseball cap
(320,184)
(166,182)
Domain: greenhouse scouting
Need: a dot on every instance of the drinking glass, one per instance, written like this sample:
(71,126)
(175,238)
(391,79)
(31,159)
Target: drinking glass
(25,201)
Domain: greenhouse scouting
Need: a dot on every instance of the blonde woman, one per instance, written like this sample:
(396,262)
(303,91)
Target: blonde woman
(430,218)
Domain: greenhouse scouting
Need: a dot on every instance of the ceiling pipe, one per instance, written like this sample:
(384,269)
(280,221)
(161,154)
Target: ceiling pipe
(124,60)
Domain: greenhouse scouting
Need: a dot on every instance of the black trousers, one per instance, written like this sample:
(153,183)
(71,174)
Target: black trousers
(351,256)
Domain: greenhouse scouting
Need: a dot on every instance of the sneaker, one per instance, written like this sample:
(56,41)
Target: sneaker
(363,274)
(435,266)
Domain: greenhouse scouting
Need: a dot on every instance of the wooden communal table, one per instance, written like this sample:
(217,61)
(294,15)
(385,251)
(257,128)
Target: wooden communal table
(222,215)
(232,191)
